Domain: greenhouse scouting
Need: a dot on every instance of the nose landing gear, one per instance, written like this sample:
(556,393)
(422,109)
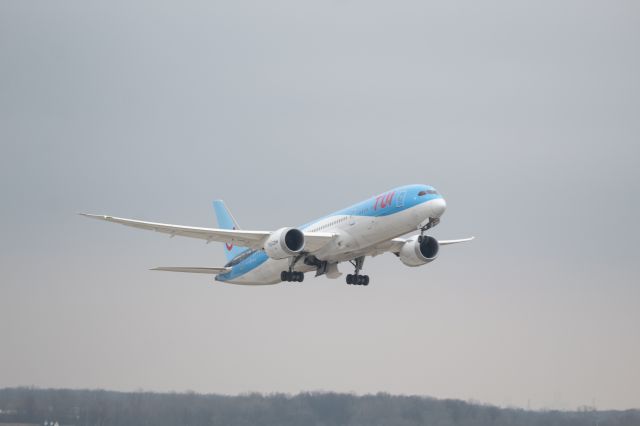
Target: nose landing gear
(433,221)
(356,278)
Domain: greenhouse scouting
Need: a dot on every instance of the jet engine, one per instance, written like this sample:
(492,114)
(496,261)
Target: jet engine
(284,242)
(414,253)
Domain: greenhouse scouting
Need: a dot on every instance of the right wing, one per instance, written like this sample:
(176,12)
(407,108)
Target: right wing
(461,240)
(396,244)
(214,271)
(251,239)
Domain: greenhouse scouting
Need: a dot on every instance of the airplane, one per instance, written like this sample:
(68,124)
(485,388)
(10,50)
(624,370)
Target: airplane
(368,228)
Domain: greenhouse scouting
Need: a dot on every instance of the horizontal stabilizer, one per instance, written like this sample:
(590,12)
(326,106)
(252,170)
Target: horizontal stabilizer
(213,271)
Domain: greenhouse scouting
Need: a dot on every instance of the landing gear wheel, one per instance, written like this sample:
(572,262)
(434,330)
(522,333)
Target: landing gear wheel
(290,276)
(356,279)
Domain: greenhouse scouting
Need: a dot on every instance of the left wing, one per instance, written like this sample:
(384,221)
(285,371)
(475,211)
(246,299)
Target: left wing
(251,239)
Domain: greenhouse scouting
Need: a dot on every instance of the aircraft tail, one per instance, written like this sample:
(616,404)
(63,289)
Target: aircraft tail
(226,221)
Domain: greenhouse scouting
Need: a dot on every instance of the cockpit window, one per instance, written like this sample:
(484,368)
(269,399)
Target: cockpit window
(428,191)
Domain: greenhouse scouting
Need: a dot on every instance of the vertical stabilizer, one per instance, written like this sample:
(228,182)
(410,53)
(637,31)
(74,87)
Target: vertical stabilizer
(226,221)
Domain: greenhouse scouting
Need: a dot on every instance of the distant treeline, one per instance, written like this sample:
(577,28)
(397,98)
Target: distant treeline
(98,407)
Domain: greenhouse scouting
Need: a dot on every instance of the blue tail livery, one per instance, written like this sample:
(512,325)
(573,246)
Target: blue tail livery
(227,221)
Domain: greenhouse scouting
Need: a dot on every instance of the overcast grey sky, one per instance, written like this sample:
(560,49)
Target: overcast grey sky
(524,114)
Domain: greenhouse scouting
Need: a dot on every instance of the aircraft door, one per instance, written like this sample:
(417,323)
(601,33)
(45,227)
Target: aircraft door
(372,223)
(400,199)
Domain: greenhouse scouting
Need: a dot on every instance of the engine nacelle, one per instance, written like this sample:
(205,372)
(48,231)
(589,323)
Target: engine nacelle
(284,242)
(414,253)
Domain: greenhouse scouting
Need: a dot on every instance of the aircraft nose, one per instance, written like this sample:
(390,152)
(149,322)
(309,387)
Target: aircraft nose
(437,206)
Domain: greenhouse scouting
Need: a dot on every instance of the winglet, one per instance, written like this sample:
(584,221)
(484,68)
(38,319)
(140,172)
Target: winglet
(95,216)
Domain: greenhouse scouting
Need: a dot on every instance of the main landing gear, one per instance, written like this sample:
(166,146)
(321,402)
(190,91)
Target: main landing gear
(356,278)
(292,275)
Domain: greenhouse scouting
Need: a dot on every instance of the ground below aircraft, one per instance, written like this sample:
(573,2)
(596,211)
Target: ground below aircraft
(368,228)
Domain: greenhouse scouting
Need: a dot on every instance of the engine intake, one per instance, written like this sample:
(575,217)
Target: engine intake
(414,253)
(284,242)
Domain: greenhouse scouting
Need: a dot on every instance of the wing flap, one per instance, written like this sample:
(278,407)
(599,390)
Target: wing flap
(314,241)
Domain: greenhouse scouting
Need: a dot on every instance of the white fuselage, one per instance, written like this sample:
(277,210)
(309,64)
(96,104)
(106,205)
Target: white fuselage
(356,236)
